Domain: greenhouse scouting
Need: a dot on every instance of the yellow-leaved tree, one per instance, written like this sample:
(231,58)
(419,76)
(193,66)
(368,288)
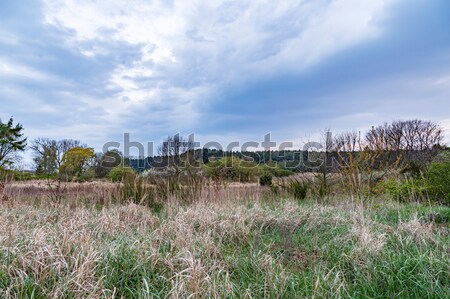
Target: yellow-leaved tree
(76,161)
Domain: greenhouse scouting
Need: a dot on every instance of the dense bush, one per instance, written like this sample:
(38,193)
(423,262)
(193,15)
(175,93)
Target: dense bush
(232,169)
(298,189)
(107,161)
(86,176)
(120,172)
(275,169)
(407,189)
(265,180)
(438,180)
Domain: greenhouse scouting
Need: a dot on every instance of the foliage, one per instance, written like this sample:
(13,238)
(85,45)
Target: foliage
(28,176)
(438,178)
(274,169)
(11,141)
(134,189)
(407,189)
(104,163)
(76,161)
(45,157)
(48,153)
(120,172)
(87,175)
(433,186)
(232,169)
(265,180)
(298,189)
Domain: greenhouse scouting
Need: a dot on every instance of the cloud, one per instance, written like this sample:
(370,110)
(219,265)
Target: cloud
(10,70)
(229,70)
(191,51)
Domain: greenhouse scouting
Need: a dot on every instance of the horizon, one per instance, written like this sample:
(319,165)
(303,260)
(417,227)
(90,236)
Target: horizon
(226,71)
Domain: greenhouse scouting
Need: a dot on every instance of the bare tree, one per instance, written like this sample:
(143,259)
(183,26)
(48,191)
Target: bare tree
(410,135)
(347,147)
(45,155)
(174,147)
(411,141)
(48,153)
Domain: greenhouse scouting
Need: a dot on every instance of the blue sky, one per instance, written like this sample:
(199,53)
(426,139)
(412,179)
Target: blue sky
(225,70)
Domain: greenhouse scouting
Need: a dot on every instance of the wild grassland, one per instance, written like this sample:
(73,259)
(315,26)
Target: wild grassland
(225,249)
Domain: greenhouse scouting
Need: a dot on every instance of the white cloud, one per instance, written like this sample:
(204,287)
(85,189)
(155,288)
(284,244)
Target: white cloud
(16,70)
(191,49)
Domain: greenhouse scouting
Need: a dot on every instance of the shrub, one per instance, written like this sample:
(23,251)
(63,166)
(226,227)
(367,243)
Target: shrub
(265,180)
(275,170)
(407,189)
(134,189)
(120,172)
(438,180)
(298,189)
(232,169)
(86,176)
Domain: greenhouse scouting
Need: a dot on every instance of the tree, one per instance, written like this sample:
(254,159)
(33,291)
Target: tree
(11,141)
(171,146)
(76,161)
(49,153)
(410,143)
(105,162)
(64,145)
(174,147)
(45,155)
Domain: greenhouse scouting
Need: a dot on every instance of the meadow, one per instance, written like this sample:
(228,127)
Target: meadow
(234,241)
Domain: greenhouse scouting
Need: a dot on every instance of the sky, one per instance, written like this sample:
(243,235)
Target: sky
(224,70)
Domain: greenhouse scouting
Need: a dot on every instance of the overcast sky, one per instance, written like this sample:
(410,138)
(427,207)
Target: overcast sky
(224,70)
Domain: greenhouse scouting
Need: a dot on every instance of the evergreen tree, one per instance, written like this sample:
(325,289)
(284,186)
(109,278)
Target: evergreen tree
(11,141)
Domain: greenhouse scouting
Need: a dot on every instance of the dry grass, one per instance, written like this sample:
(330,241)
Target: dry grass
(219,249)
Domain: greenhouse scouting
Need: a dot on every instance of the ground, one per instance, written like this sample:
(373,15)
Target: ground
(246,248)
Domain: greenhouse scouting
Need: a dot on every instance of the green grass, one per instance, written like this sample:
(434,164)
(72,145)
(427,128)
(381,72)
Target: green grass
(257,250)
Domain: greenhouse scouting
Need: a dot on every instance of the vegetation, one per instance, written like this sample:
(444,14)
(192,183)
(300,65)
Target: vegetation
(76,162)
(369,219)
(232,169)
(297,189)
(49,154)
(11,141)
(231,249)
(119,173)
(438,180)
(265,180)
(104,163)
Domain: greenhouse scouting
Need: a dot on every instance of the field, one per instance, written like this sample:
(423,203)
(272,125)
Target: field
(236,246)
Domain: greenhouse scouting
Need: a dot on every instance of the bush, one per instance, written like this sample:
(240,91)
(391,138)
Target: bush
(86,176)
(265,180)
(298,189)
(407,190)
(232,169)
(275,170)
(133,189)
(438,180)
(120,172)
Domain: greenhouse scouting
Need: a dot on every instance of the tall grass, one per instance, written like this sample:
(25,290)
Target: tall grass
(224,249)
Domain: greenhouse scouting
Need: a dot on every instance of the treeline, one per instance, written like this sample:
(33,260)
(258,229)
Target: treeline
(406,158)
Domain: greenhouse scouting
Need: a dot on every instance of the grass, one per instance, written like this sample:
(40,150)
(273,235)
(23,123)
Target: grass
(228,249)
